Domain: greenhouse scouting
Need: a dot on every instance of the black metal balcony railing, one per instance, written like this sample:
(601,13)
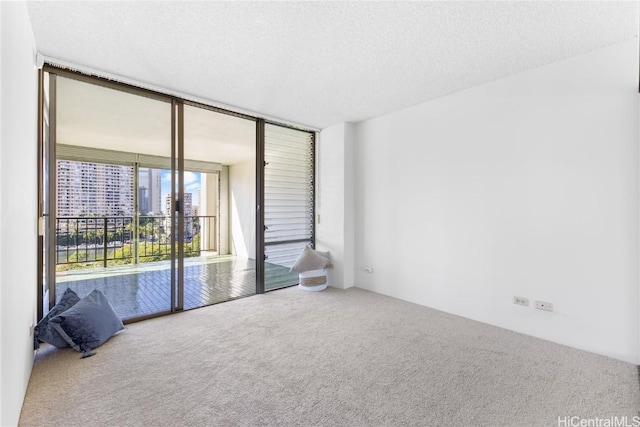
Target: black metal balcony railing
(112,239)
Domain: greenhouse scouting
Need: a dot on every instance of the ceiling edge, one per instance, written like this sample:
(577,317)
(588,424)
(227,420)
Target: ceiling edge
(60,63)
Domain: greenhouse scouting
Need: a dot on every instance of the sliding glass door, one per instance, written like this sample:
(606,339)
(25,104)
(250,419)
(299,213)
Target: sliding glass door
(162,204)
(219,209)
(105,224)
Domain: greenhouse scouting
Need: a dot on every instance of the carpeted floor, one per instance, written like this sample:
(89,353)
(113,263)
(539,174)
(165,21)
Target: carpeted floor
(331,358)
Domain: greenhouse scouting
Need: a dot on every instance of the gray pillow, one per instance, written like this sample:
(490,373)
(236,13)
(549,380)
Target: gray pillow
(309,260)
(88,324)
(44,331)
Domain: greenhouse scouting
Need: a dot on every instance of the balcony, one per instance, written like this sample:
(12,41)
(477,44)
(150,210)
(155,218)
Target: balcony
(129,262)
(84,242)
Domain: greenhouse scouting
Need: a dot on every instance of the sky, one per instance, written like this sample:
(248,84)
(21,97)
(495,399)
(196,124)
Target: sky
(191,181)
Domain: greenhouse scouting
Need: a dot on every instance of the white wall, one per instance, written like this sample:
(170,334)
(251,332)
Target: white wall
(225,223)
(242,187)
(18,187)
(335,202)
(209,207)
(527,186)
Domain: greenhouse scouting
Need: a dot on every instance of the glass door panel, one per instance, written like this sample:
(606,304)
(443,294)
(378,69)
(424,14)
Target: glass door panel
(288,201)
(46,255)
(110,231)
(153,215)
(218,207)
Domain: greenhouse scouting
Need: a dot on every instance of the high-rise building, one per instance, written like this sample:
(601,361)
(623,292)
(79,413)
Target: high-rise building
(86,188)
(150,179)
(154,194)
(168,205)
(143,200)
(188,212)
(187,204)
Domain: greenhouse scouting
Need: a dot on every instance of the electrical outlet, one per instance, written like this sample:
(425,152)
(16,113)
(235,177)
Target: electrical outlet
(521,301)
(368,270)
(543,305)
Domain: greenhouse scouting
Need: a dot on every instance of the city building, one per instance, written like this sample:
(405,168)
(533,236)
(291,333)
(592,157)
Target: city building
(98,189)
(187,204)
(149,201)
(188,212)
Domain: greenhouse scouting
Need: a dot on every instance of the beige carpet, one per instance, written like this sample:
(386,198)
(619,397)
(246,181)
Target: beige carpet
(332,358)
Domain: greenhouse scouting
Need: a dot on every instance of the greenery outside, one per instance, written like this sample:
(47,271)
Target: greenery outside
(83,242)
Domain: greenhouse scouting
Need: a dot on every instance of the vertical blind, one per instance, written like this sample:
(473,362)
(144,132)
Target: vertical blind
(288,193)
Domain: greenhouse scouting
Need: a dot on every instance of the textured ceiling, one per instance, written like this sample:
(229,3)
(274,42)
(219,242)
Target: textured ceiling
(320,63)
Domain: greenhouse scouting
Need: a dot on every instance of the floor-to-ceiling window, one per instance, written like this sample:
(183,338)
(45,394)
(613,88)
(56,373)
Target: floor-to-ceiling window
(109,150)
(156,200)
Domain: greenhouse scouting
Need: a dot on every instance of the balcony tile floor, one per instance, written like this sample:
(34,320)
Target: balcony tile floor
(144,289)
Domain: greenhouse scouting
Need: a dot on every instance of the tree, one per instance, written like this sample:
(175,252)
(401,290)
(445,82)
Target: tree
(149,230)
(73,226)
(129,231)
(89,235)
